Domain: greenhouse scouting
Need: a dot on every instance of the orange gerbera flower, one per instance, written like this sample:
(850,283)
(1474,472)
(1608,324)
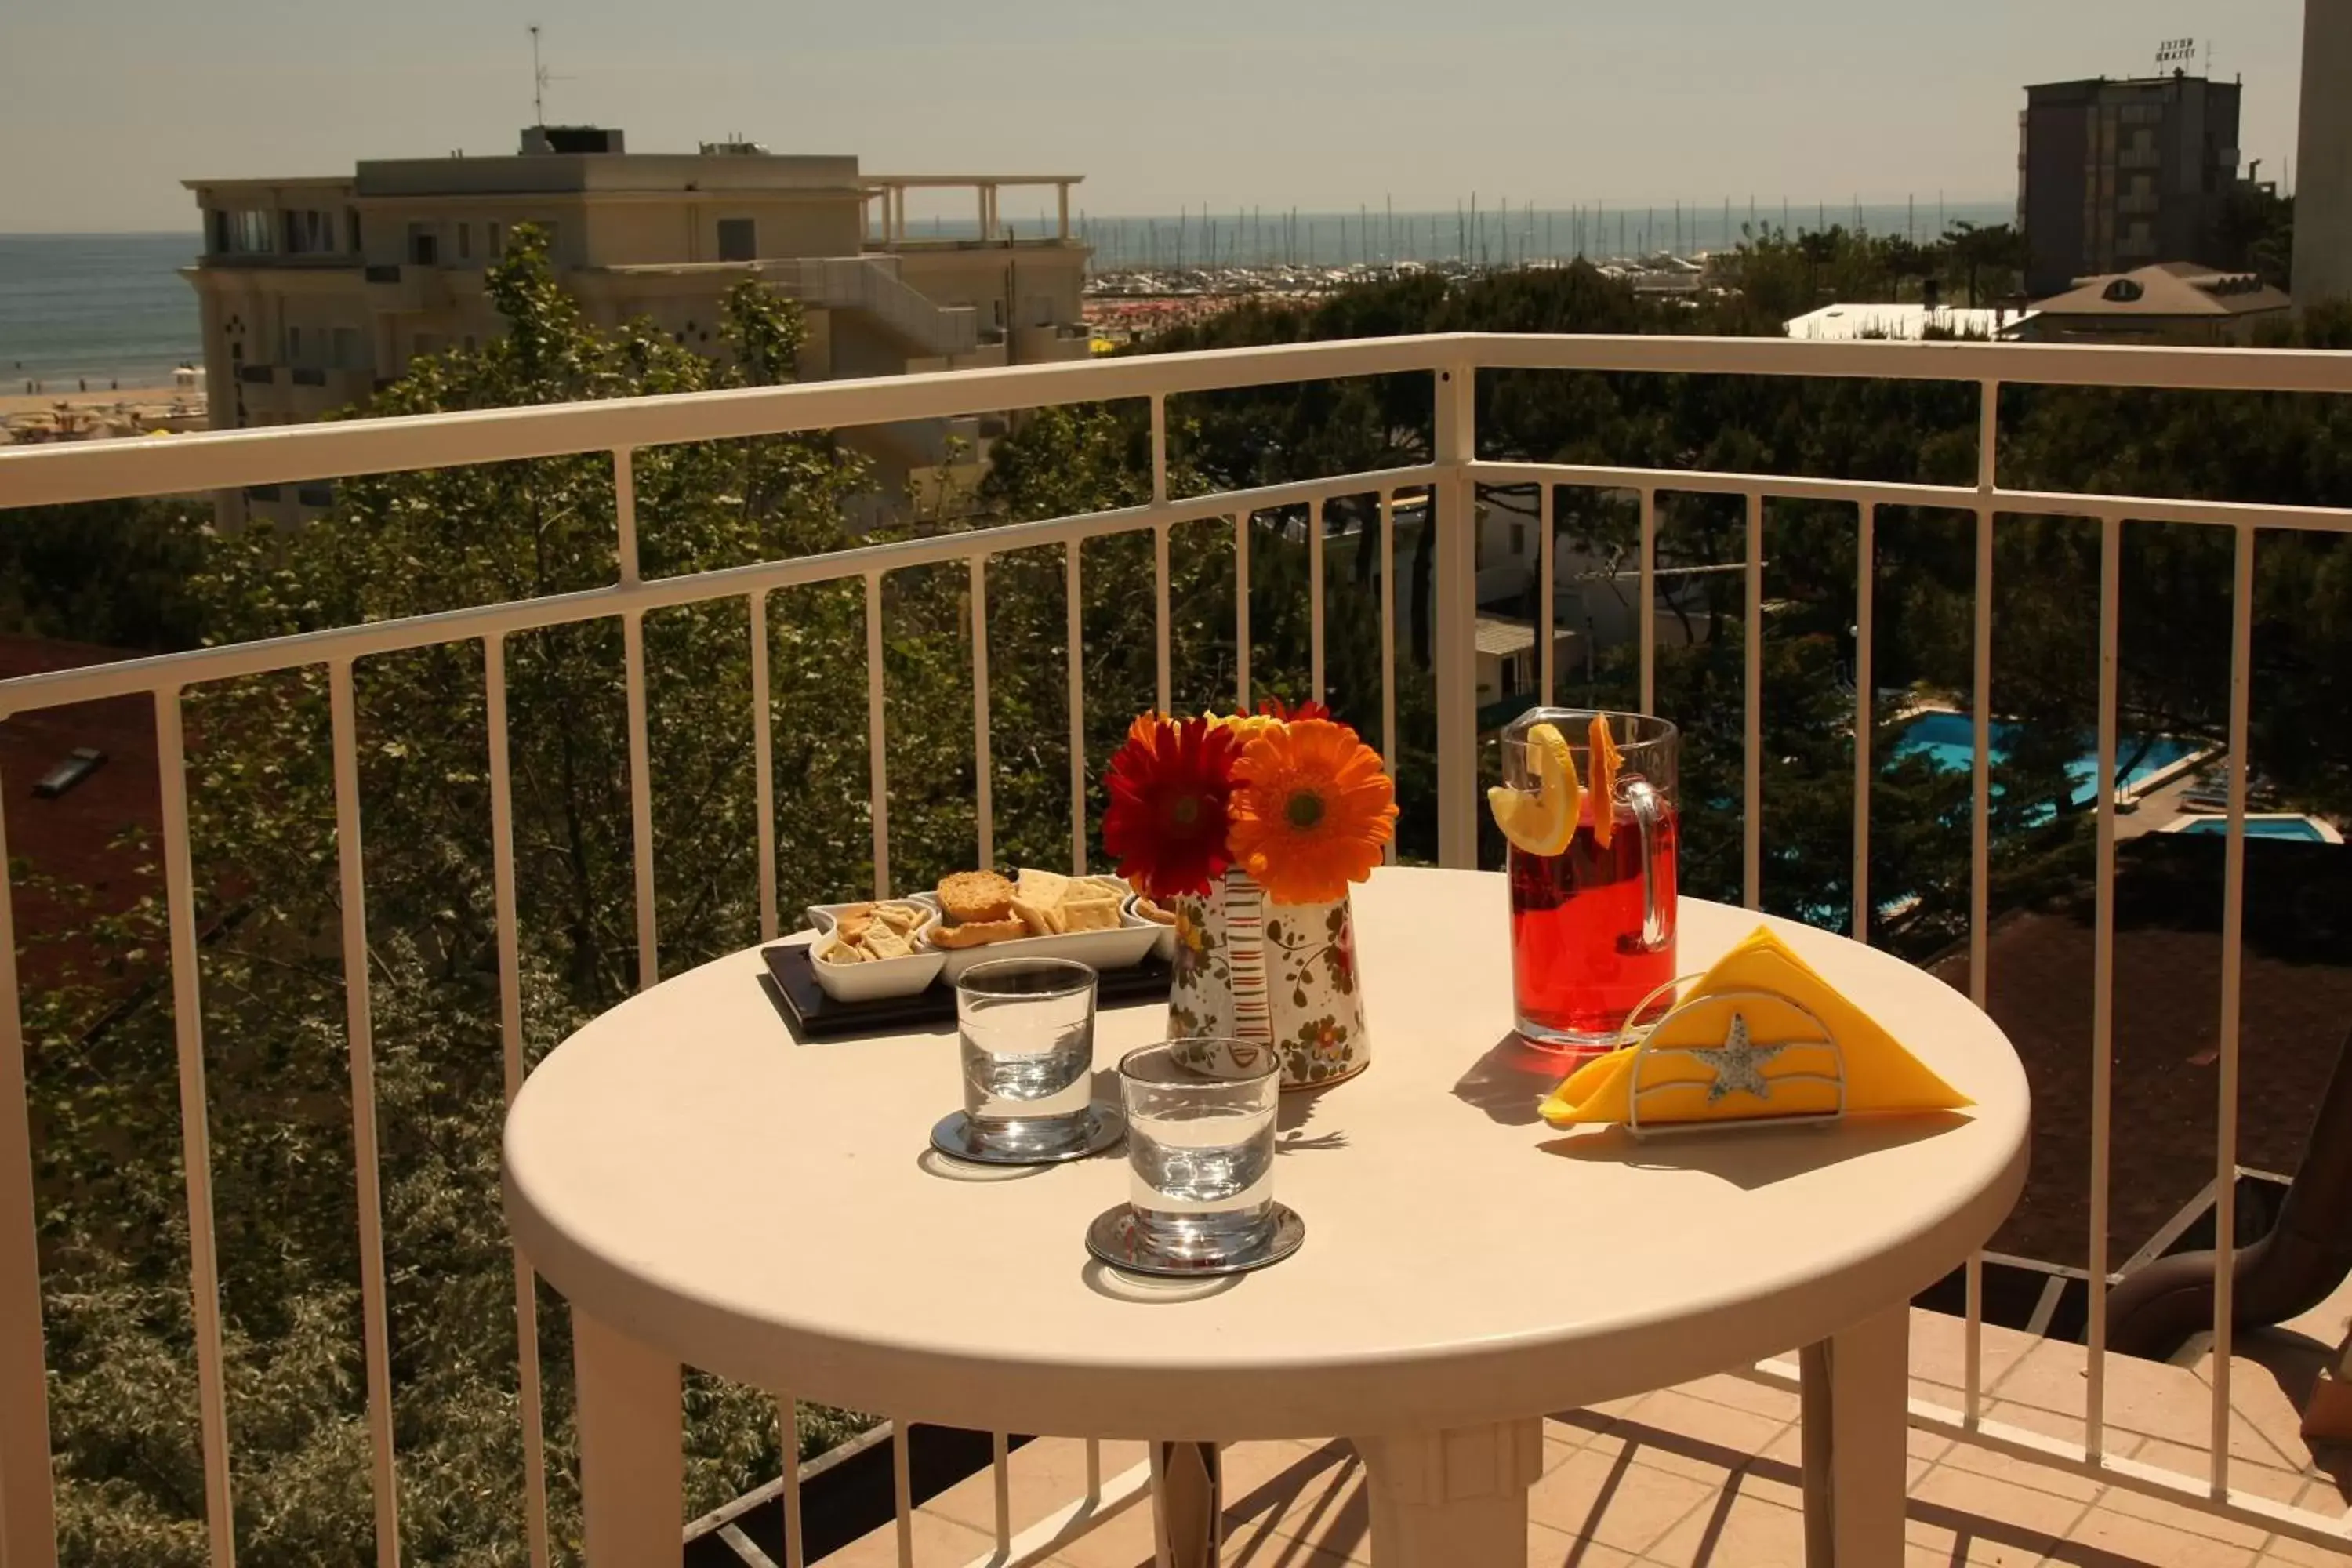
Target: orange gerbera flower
(1311,810)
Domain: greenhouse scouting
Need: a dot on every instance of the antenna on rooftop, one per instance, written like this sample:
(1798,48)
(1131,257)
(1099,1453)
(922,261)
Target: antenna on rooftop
(539,81)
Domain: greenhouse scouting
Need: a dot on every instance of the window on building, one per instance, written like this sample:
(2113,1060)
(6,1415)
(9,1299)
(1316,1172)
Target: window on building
(465,242)
(351,230)
(242,232)
(310,233)
(423,245)
(294,345)
(739,240)
(494,247)
(345,352)
(1040,310)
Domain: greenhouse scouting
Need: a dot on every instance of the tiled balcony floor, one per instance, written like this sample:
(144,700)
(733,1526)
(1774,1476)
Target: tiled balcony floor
(1706,1476)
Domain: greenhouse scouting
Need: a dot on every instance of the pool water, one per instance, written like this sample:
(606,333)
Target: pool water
(2263,827)
(1948,742)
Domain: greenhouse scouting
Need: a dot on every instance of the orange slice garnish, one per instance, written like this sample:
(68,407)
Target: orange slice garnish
(1606,760)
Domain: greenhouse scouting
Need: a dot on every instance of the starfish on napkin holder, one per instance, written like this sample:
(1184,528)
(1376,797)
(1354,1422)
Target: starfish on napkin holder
(1737,1067)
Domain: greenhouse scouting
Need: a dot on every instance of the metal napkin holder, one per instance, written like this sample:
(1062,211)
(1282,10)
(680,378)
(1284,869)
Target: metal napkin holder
(1641,1036)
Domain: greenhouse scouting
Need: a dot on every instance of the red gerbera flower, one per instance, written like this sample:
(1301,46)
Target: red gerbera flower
(1281,713)
(1167,822)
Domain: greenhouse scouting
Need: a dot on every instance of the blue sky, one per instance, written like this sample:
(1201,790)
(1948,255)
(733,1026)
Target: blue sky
(1320,104)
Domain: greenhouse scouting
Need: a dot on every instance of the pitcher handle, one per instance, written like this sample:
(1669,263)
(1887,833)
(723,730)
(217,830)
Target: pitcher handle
(1650,815)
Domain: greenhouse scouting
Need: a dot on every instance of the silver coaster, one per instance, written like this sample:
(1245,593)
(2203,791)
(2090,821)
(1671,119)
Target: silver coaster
(954,1138)
(1112,1238)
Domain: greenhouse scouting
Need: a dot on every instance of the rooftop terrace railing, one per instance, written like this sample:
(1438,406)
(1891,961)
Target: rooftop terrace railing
(1453,476)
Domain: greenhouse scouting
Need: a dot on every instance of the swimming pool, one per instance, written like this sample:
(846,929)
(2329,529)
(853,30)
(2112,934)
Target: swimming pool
(2299,827)
(1948,742)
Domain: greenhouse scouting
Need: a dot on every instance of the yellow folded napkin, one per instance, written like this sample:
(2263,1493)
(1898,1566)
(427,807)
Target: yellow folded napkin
(1758,1056)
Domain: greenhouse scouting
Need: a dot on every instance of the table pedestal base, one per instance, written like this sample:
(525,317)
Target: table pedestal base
(1856,1387)
(1188,1479)
(1452,1500)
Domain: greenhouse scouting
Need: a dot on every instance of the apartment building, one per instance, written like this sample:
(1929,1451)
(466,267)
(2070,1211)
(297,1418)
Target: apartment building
(2323,162)
(2114,175)
(315,290)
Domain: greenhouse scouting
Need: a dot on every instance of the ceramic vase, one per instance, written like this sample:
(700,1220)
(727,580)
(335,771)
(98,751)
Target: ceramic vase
(1283,973)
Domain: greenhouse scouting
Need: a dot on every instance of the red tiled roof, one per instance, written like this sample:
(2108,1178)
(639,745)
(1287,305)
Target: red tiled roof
(2295,1015)
(73,840)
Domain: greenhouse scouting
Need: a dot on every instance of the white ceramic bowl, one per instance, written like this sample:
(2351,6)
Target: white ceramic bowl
(1121,949)
(1164,949)
(875,977)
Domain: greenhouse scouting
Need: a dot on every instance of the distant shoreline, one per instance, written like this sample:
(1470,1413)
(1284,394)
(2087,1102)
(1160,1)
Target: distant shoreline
(195,237)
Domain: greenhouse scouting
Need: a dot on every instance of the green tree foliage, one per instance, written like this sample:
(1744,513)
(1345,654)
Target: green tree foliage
(129,1474)
(111,573)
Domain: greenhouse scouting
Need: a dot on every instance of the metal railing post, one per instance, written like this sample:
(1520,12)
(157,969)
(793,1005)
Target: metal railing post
(27,1509)
(1456,594)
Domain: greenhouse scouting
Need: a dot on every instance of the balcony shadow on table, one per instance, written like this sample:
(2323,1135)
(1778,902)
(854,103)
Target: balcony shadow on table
(1753,1157)
(1511,1081)
(1296,1107)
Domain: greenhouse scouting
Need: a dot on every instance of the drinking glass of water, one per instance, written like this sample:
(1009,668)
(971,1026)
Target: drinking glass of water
(1200,1155)
(1027,1039)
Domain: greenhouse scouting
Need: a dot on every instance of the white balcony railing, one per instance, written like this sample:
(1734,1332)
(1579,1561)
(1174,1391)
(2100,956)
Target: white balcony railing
(1450,363)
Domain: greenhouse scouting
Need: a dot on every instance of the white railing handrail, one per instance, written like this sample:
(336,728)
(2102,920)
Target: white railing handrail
(171,671)
(81,471)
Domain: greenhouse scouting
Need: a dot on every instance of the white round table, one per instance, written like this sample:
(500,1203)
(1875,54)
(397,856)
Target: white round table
(705,1189)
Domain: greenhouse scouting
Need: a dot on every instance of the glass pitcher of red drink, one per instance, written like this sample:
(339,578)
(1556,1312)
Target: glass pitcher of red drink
(1593,927)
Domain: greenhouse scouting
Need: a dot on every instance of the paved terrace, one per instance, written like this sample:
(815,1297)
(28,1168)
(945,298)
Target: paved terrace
(1706,1476)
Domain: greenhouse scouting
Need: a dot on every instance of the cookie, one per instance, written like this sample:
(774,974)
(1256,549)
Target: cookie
(977,933)
(974,897)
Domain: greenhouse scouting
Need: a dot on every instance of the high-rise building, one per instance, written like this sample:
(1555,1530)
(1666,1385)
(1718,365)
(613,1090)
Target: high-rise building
(313,290)
(2114,175)
(2322,162)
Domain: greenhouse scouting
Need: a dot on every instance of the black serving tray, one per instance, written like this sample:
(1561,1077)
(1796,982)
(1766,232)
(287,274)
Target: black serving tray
(791,984)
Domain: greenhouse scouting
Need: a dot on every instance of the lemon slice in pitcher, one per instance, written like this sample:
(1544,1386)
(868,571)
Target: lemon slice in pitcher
(1542,822)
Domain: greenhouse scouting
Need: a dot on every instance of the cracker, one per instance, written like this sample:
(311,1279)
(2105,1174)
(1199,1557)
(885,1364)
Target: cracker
(1091,914)
(1154,913)
(840,952)
(1040,919)
(899,918)
(1046,890)
(881,942)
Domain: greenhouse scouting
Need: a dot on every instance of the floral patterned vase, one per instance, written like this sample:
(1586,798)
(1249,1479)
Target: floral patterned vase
(1283,973)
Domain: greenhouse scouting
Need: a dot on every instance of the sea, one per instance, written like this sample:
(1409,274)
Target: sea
(96,308)
(113,308)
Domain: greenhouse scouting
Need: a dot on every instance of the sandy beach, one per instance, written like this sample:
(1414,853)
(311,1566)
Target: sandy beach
(16,402)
